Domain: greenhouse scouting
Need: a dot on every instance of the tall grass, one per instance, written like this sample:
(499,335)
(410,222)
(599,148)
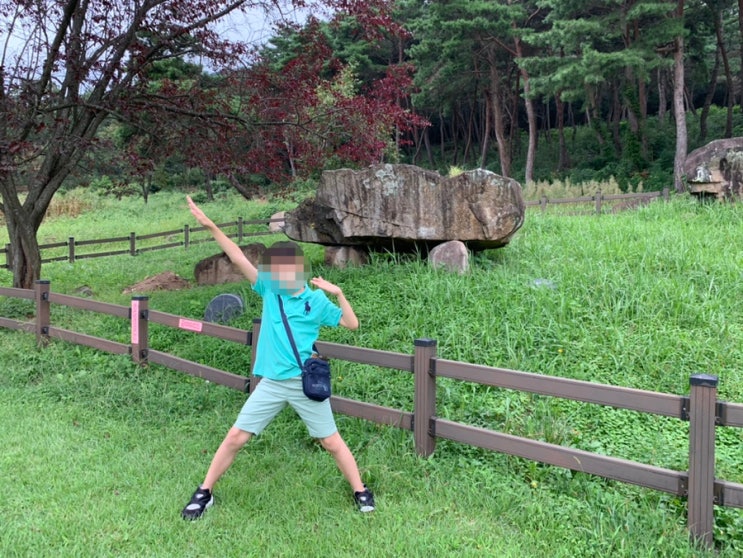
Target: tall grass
(102,454)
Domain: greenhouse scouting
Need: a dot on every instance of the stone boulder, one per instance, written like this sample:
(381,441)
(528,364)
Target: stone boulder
(218,269)
(344,256)
(452,256)
(716,169)
(404,208)
(276,223)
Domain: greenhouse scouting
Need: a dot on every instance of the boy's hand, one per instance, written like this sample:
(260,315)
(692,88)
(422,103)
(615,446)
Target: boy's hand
(198,213)
(326,286)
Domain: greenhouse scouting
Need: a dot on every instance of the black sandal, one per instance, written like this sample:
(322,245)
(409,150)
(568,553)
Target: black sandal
(200,501)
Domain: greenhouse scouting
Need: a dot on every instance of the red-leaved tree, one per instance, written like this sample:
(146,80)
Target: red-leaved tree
(71,64)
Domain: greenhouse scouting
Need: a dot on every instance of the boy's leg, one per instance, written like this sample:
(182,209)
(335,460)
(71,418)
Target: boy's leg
(225,455)
(260,408)
(347,464)
(344,459)
(318,417)
(203,498)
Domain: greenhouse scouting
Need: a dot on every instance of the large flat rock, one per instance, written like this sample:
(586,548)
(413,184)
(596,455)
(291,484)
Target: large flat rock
(401,207)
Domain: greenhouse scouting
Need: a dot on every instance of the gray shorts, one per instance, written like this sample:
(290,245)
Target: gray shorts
(269,399)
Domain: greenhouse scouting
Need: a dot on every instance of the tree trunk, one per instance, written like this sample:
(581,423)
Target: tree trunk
(564,161)
(470,133)
(678,110)
(740,49)
(25,256)
(531,118)
(442,139)
(642,99)
(662,102)
(485,135)
(504,153)
(615,119)
(427,143)
(708,98)
(728,74)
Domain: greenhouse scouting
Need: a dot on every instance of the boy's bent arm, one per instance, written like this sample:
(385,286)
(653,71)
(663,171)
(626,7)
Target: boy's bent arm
(348,318)
(233,251)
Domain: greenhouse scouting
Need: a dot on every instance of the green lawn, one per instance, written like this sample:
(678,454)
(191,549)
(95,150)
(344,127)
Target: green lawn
(100,456)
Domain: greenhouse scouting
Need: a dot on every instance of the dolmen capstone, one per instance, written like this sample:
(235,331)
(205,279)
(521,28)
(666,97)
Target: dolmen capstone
(406,208)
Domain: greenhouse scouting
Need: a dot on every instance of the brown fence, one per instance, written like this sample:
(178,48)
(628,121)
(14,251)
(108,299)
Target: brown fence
(701,408)
(134,244)
(599,200)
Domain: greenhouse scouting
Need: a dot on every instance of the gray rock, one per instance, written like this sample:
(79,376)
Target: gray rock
(343,256)
(404,207)
(452,255)
(276,223)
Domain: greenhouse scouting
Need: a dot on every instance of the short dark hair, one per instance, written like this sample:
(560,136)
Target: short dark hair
(282,249)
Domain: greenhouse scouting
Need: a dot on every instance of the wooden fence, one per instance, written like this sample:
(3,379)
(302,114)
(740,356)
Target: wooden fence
(134,244)
(598,200)
(701,408)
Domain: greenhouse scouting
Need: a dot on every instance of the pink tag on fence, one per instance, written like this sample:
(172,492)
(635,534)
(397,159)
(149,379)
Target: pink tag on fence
(135,322)
(190,325)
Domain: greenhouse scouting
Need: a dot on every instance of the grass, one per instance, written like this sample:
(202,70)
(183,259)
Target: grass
(101,455)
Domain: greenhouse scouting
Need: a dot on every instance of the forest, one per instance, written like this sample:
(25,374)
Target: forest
(134,98)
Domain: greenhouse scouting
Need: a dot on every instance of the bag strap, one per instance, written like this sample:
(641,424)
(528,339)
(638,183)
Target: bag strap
(289,332)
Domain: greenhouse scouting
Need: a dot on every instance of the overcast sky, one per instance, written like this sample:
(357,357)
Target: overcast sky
(255,26)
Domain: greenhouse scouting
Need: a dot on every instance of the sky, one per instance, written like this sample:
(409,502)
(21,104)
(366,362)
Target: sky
(253,27)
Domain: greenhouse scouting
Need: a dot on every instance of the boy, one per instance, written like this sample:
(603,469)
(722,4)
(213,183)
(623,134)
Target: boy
(282,274)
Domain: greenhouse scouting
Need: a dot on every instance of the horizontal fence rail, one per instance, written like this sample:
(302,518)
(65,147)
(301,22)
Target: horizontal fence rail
(701,408)
(134,244)
(598,199)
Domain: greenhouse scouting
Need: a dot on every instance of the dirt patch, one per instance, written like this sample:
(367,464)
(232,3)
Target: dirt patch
(165,281)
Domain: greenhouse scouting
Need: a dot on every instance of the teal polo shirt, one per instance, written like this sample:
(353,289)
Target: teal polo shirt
(307,312)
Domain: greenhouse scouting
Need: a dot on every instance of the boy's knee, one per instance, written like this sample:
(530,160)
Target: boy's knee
(333,443)
(237,438)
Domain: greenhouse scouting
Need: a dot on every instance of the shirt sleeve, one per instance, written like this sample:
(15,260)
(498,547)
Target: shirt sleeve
(330,314)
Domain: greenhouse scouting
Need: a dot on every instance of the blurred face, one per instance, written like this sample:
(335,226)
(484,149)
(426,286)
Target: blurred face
(287,274)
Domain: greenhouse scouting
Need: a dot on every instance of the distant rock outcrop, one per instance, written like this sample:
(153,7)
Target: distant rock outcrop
(404,207)
(218,269)
(716,169)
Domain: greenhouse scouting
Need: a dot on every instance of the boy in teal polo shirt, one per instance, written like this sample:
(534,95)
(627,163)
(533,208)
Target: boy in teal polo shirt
(282,274)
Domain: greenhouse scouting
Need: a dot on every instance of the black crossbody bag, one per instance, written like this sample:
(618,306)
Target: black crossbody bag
(315,370)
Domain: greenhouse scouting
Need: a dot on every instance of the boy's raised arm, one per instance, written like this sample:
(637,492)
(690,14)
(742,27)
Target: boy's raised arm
(233,251)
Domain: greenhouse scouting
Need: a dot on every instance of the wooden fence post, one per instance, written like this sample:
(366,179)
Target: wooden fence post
(132,244)
(665,194)
(8,257)
(543,203)
(425,396)
(598,197)
(139,316)
(186,236)
(702,417)
(253,380)
(240,230)
(42,312)
(71,249)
